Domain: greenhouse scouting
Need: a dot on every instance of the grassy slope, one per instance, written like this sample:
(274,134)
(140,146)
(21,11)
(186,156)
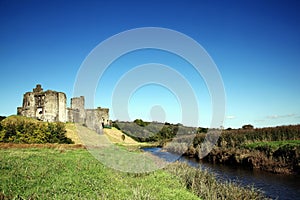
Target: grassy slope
(72,133)
(74,174)
(114,135)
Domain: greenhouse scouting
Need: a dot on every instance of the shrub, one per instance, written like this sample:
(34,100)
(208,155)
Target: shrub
(18,129)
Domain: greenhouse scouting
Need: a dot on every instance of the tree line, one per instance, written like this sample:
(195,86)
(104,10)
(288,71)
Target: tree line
(163,132)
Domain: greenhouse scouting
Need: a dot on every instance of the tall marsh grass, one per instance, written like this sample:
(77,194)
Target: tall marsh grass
(206,186)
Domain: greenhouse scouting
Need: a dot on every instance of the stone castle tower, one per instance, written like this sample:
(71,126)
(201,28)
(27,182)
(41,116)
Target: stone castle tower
(51,106)
(47,106)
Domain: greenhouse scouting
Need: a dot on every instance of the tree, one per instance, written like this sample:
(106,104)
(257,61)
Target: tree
(248,126)
(141,123)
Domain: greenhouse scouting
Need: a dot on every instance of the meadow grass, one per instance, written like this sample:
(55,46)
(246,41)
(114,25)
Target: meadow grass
(68,173)
(274,144)
(58,173)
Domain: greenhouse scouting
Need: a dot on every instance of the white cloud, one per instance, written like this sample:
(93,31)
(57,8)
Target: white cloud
(280,116)
(259,120)
(273,117)
(230,117)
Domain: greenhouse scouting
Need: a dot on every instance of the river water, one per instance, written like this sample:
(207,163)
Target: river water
(285,187)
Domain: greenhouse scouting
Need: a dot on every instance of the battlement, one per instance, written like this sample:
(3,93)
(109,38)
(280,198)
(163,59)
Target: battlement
(38,88)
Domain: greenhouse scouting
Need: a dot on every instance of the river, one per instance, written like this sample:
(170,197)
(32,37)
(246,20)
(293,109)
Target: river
(285,187)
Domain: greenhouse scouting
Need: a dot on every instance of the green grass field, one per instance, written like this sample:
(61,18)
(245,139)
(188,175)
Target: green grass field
(47,173)
(71,172)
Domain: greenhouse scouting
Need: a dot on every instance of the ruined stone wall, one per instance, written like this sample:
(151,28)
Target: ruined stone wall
(104,113)
(55,106)
(51,106)
(77,104)
(46,106)
(62,107)
(96,119)
(73,115)
(93,120)
(28,107)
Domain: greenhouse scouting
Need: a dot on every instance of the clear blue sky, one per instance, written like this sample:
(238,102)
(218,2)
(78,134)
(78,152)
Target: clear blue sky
(255,44)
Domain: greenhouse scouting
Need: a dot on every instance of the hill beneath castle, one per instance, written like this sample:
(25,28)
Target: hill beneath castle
(113,135)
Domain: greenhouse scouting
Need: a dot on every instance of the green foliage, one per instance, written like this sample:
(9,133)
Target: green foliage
(202,130)
(18,129)
(248,126)
(286,152)
(2,118)
(153,132)
(274,144)
(115,125)
(163,133)
(240,137)
(141,123)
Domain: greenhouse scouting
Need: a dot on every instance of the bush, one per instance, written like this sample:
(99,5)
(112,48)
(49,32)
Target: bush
(18,129)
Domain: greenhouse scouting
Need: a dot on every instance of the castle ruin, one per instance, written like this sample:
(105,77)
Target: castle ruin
(51,106)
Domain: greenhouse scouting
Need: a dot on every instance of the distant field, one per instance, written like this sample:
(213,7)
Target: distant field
(274,144)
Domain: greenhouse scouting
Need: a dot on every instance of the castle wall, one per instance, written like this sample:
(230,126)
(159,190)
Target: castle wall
(46,106)
(104,113)
(73,115)
(28,108)
(77,103)
(70,115)
(51,106)
(93,120)
(62,107)
(96,119)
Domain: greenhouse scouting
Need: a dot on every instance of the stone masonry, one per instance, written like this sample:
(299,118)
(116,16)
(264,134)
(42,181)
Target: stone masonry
(51,106)
(47,106)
